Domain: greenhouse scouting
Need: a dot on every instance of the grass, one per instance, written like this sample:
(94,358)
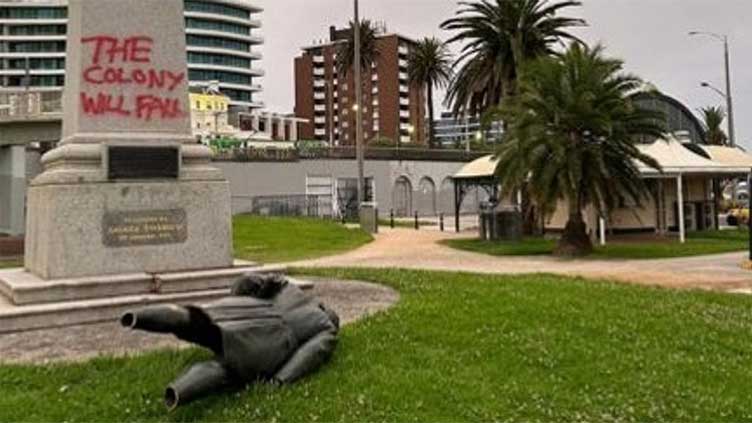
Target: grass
(458,347)
(275,240)
(11,263)
(698,244)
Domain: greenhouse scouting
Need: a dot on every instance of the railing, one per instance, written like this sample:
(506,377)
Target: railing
(30,105)
(285,205)
(347,153)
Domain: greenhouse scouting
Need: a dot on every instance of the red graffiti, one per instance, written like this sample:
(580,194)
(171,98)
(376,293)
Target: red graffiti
(166,108)
(137,49)
(104,104)
(119,62)
(149,78)
(146,107)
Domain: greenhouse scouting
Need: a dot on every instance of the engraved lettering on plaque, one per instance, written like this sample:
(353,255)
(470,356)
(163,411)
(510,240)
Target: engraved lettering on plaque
(144,228)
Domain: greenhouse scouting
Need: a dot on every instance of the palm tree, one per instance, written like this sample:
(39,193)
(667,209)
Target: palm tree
(573,136)
(429,66)
(714,117)
(369,51)
(499,36)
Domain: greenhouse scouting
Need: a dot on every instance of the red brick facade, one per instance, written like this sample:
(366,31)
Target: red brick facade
(393,109)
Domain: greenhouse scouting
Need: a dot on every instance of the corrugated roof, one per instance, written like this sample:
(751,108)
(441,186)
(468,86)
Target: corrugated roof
(673,157)
(728,156)
(484,167)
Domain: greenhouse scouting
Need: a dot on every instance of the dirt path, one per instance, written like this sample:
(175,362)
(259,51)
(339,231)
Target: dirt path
(410,249)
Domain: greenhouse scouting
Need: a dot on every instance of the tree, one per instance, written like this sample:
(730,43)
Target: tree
(499,36)
(430,66)
(369,52)
(573,136)
(714,117)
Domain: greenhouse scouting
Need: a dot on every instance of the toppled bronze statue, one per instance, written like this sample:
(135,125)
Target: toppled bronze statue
(266,330)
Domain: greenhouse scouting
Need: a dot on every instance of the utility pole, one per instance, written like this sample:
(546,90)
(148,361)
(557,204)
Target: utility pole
(728,95)
(359,108)
(729,101)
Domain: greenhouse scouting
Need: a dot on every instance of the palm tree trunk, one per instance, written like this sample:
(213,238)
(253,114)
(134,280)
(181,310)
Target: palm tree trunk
(575,241)
(431,129)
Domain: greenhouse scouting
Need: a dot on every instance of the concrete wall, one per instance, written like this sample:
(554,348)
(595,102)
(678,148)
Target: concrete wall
(251,179)
(430,190)
(13,189)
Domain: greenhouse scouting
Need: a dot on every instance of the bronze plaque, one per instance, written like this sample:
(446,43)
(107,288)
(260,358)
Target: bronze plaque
(139,228)
(140,162)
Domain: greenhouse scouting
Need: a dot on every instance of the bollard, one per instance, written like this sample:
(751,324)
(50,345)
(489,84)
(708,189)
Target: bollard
(417,223)
(391,218)
(441,222)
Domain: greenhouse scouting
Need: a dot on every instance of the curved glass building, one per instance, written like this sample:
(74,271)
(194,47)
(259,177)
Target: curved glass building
(221,37)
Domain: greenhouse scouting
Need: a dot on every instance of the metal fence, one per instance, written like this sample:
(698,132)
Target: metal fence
(285,205)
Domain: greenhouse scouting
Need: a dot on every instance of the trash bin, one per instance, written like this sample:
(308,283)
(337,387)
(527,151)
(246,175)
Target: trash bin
(369,218)
(500,223)
(486,221)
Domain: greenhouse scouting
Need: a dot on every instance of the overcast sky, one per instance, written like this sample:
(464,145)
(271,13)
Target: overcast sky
(649,35)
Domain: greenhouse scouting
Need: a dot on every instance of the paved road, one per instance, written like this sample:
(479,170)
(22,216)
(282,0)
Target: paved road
(410,249)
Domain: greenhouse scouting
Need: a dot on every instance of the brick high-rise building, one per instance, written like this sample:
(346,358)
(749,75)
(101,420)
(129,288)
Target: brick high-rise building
(393,109)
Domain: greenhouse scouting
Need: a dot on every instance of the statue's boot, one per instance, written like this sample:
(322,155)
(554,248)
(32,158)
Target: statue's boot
(200,380)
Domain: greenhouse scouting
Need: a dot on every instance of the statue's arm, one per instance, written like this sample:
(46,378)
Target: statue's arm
(309,357)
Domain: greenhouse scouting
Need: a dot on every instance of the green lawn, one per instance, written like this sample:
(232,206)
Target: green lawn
(700,243)
(11,263)
(274,240)
(458,347)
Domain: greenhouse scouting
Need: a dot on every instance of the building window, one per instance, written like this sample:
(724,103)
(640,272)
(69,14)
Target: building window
(217,9)
(217,42)
(194,23)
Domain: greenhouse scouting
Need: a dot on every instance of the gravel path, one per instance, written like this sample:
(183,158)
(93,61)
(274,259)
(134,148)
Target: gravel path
(352,300)
(410,249)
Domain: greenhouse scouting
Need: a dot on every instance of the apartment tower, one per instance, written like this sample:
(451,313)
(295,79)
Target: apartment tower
(393,108)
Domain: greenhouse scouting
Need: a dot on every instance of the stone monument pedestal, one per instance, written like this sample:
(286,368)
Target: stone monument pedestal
(80,224)
(128,209)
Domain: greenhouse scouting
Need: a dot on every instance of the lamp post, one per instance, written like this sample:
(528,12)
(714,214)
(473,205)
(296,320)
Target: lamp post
(359,110)
(727,95)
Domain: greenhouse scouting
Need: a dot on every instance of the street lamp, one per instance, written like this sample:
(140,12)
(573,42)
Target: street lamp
(708,85)
(727,95)
(359,154)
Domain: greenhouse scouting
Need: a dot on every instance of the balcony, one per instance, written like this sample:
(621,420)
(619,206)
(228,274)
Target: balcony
(319,108)
(319,60)
(405,114)
(320,120)
(319,96)
(318,72)
(403,76)
(404,101)
(319,83)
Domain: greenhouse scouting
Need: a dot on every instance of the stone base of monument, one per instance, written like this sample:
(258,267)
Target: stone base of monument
(28,302)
